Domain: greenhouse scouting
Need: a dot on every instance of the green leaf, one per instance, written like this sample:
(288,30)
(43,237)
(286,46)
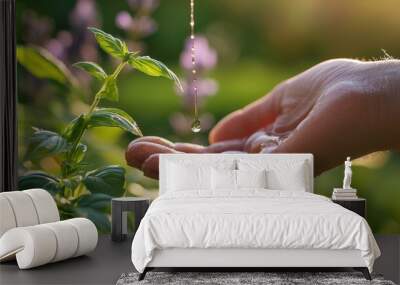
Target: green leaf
(74,128)
(153,67)
(99,218)
(39,180)
(67,211)
(46,143)
(44,65)
(97,201)
(80,152)
(113,117)
(109,90)
(110,44)
(92,68)
(109,180)
(72,183)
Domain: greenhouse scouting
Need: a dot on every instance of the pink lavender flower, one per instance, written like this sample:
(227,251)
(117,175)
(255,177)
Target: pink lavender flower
(138,23)
(56,48)
(139,26)
(84,14)
(206,57)
(123,20)
(144,26)
(59,45)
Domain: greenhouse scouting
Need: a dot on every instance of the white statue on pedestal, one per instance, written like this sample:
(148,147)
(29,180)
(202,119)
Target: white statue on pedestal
(347,174)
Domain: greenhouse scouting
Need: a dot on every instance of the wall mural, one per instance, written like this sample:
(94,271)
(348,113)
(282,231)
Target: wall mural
(85,89)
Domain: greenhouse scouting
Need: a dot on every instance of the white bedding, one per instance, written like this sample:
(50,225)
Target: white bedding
(250,219)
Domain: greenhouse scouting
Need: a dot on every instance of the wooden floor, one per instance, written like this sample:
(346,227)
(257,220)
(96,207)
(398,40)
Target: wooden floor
(110,260)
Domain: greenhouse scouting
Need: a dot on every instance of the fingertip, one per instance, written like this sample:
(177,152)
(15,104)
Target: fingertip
(138,152)
(150,166)
(131,154)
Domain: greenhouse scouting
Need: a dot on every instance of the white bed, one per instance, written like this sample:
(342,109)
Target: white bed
(194,223)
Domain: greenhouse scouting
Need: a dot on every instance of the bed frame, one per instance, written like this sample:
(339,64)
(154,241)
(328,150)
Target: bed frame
(246,259)
(233,259)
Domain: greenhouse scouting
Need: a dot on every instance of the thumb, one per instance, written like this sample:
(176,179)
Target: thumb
(246,121)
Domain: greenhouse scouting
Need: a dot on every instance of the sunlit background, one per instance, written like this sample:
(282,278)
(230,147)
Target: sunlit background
(244,49)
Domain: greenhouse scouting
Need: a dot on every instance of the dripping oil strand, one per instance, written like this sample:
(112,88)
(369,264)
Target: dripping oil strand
(196,126)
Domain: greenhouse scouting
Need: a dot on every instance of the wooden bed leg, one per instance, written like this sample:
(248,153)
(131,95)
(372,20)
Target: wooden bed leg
(364,271)
(143,274)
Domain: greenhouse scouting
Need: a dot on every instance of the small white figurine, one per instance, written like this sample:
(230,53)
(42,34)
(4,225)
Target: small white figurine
(347,174)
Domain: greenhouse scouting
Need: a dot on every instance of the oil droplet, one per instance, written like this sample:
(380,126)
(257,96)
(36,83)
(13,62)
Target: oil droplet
(196,126)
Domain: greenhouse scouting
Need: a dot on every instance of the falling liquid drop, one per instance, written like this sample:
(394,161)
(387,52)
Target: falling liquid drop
(196,126)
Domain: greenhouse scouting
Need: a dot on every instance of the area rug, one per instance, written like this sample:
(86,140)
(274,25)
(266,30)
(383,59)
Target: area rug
(243,278)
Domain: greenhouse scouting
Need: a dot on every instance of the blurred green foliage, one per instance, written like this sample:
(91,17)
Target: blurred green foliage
(259,44)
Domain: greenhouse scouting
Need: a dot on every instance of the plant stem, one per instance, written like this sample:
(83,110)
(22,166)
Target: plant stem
(95,103)
(97,98)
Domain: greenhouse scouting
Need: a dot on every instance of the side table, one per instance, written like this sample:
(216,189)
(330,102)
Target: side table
(358,206)
(119,208)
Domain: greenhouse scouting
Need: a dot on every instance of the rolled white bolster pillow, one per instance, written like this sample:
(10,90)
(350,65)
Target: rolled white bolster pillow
(87,235)
(45,243)
(66,238)
(23,208)
(7,218)
(45,205)
(33,246)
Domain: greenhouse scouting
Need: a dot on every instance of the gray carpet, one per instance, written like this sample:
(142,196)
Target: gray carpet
(269,278)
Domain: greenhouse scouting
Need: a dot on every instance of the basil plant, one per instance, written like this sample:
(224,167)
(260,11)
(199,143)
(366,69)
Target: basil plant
(79,191)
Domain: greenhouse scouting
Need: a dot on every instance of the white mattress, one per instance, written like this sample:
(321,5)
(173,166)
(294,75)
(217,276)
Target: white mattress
(252,219)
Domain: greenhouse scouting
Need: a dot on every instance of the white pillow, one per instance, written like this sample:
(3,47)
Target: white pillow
(281,174)
(227,179)
(291,178)
(251,178)
(188,177)
(223,179)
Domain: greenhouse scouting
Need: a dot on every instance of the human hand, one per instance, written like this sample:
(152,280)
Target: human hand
(335,109)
